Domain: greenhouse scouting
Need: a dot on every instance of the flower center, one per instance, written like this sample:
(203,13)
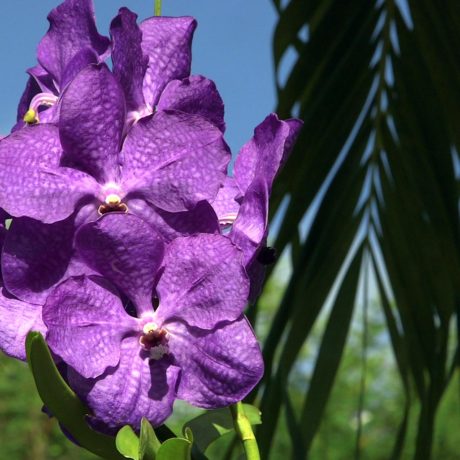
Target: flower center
(112,203)
(154,340)
(41,100)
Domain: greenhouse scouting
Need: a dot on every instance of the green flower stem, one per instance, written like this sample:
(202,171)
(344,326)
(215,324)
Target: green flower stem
(244,431)
(157,7)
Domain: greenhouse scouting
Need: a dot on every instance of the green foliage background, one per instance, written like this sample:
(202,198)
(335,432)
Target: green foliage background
(360,334)
(376,169)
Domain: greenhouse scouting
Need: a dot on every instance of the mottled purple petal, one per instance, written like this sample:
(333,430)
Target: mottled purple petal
(44,79)
(168,44)
(91,123)
(125,250)
(250,227)
(37,256)
(170,225)
(219,367)
(86,323)
(17,319)
(267,151)
(72,28)
(203,282)
(196,95)
(226,205)
(138,387)
(82,59)
(32,183)
(175,160)
(129,62)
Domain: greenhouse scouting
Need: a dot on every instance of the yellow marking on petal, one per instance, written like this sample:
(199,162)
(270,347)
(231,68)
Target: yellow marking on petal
(112,200)
(31,117)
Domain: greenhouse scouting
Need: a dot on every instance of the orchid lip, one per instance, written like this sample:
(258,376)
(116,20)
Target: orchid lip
(154,339)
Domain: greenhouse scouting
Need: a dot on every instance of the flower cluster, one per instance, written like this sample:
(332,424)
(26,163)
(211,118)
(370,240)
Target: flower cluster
(131,247)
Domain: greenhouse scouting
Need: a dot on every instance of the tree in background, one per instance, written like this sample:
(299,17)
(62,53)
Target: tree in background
(376,172)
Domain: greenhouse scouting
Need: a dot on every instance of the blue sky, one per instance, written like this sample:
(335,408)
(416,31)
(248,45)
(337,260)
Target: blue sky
(232,46)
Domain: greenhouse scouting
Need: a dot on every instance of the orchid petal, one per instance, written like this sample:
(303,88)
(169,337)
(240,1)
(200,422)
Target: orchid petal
(170,225)
(267,151)
(32,183)
(125,250)
(167,42)
(219,367)
(17,319)
(72,28)
(129,62)
(91,123)
(37,256)
(86,319)
(195,95)
(138,387)
(82,59)
(203,282)
(174,160)
(250,227)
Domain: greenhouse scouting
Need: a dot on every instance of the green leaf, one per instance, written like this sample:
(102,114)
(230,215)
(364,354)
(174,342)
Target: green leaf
(211,425)
(128,443)
(330,353)
(62,402)
(149,443)
(175,449)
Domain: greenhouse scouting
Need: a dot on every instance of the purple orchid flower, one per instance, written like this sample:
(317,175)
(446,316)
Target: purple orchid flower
(152,63)
(242,202)
(71,43)
(195,345)
(164,170)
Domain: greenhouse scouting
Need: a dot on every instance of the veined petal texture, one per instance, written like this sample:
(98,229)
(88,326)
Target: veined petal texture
(195,94)
(267,151)
(86,324)
(171,225)
(136,388)
(36,256)
(250,227)
(219,367)
(203,282)
(91,123)
(72,28)
(17,319)
(175,160)
(31,181)
(168,44)
(129,62)
(125,250)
